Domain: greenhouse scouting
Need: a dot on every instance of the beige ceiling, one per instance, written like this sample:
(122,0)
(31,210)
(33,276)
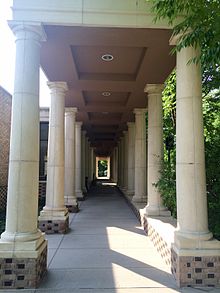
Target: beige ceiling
(73,55)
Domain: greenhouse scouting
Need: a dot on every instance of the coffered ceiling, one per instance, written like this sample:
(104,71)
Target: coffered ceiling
(106,92)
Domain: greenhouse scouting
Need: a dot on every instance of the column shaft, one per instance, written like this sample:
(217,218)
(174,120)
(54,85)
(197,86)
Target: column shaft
(190,159)
(22,242)
(140,156)
(69,181)
(54,216)
(83,160)
(125,163)
(121,162)
(131,157)
(79,193)
(155,149)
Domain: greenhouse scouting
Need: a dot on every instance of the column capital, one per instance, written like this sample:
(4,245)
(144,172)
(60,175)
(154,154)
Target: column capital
(140,111)
(58,86)
(151,88)
(70,111)
(28,30)
(175,39)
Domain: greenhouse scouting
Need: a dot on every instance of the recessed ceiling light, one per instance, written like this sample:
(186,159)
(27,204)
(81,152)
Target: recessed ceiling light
(107,57)
(106,94)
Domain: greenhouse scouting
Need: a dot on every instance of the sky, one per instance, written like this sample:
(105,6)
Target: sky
(7,56)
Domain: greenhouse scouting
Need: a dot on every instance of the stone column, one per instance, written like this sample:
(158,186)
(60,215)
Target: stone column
(125,164)
(121,164)
(190,158)
(86,163)
(22,242)
(69,181)
(79,193)
(92,174)
(116,164)
(140,156)
(155,149)
(131,158)
(192,248)
(83,160)
(54,217)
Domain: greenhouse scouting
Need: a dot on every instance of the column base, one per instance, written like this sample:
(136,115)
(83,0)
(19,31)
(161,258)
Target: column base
(54,222)
(73,208)
(79,195)
(138,199)
(22,269)
(130,193)
(155,211)
(71,205)
(196,268)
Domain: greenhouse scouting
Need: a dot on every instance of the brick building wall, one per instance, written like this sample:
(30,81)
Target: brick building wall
(5,122)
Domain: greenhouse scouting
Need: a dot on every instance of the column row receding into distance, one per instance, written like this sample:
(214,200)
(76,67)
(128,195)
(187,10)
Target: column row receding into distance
(22,241)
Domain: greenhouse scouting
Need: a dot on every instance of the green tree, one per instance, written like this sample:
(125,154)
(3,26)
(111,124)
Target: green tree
(167,182)
(198,23)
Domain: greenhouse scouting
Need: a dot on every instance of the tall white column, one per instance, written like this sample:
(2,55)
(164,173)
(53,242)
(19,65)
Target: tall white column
(22,240)
(140,156)
(79,193)
(131,157)
(83,160)
(86,157)
(55,215)
(116,164)
(121,163)
(69,182)
(190,158)
(125,163)
(155,149)
(22,198)
(92,174)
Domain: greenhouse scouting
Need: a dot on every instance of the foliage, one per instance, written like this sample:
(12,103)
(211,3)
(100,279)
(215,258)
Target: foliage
(198,24)
(167,182)
(102,168)
(211,111)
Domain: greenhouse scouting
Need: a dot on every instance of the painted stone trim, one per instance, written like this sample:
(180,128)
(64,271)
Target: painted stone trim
(196,271)
(22,273)
(54,226)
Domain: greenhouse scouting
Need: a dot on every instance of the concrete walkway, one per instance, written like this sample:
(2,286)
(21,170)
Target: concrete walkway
(106,251)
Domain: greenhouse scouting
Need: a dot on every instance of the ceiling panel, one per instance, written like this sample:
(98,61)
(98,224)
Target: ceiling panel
(74,55)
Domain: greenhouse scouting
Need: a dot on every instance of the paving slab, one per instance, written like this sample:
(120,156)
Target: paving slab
(106,251)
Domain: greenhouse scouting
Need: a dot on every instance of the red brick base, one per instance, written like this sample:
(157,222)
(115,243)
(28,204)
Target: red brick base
(22,273)
(54,226)
(196,271)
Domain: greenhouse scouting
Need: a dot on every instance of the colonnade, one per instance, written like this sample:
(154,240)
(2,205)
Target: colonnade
(136,163)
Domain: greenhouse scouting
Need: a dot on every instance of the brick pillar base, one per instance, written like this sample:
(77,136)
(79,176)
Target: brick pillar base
(23,273)
(195,271)
(54,226)
(73,208)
